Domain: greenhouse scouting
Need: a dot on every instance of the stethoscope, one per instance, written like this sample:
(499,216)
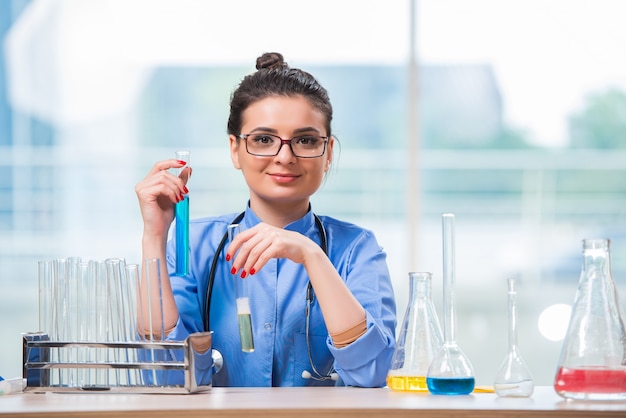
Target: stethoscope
(310,296)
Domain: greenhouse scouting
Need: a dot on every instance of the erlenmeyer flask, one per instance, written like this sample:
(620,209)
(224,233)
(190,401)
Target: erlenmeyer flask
(592,364)
(514,378)
(450,372)
(419,338)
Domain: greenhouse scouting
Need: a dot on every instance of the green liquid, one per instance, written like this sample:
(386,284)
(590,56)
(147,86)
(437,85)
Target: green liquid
(245,332)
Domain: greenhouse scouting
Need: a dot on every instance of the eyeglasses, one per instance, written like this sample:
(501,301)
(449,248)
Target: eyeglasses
(268,145)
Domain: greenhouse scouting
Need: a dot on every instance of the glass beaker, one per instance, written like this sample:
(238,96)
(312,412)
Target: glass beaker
(419,339)
(513,378)
(592,362)
(182,224)
(450,372)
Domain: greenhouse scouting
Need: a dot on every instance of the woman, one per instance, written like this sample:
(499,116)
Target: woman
(280,138)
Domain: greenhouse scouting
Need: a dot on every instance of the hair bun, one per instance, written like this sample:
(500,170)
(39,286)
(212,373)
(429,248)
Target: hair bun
(271,60)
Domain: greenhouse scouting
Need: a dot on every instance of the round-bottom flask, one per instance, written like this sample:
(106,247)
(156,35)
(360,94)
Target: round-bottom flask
(419,338)
(450,372)
(592,362)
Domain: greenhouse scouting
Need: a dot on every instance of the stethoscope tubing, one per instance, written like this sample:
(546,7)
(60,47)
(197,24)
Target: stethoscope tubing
(316,375)
(211,277)
(220,248)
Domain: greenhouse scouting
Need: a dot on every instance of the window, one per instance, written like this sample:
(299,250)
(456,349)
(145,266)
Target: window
(521,121)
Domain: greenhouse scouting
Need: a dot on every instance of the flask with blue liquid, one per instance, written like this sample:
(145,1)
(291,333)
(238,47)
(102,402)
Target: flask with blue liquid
(450,372)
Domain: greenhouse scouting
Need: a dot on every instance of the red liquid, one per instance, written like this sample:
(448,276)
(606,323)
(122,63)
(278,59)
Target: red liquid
(591,380)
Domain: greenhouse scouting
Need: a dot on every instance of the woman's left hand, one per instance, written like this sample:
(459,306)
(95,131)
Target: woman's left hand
(254,247)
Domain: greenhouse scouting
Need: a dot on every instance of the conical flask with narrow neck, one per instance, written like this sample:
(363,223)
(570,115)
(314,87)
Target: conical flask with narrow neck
(592,364)
(419,338)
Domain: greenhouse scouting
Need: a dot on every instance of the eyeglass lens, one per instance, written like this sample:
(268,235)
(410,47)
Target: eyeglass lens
(306,146)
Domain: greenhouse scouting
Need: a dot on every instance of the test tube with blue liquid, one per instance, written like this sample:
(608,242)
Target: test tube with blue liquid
(244,317)
(450,372)
(182,224)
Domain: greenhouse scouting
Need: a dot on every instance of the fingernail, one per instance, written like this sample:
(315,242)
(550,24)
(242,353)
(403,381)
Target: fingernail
(233,270)
(185,189)
(182,197)
(227,257)
(252,271)
(243,274)
(182,162)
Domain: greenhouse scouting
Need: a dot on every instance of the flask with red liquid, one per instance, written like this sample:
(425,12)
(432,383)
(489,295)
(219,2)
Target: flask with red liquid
(592,365)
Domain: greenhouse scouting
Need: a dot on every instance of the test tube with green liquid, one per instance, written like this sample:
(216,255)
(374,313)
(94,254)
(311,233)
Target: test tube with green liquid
(244,317)
(182,224)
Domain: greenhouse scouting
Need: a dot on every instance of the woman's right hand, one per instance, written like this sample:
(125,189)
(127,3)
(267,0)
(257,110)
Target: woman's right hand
(158,192)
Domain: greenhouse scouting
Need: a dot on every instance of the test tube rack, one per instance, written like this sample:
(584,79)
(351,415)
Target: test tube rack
(41,358)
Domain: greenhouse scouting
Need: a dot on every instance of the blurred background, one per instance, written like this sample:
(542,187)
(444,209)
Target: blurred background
(510,114)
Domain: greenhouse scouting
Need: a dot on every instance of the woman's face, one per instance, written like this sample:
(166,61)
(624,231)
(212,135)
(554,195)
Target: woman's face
(284,178)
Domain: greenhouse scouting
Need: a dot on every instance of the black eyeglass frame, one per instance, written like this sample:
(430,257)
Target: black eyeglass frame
(283,142)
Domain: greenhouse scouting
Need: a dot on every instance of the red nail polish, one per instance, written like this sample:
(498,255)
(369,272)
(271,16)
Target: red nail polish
(182,197)
(227,257)
(181,162)
(185,189)
(252,271)
(243,274)
(233,271)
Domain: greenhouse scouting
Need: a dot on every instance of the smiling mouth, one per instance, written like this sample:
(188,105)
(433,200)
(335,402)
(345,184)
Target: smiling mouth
(283,178)
(283,175)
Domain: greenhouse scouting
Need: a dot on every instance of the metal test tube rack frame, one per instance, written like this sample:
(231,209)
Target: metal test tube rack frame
(199,363)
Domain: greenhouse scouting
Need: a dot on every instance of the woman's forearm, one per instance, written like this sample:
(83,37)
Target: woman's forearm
(341,310)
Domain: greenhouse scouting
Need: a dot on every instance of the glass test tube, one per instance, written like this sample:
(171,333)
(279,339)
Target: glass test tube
(134,302)
(84,292)
(59,319)
(182,224)
(45,278)
(153,298)
(244,317)
(117,317)
(97,273)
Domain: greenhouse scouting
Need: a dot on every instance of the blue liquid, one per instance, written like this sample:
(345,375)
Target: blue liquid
(182,237)
(450,386)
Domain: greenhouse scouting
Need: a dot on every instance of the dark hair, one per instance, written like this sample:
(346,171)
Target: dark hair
(275,78)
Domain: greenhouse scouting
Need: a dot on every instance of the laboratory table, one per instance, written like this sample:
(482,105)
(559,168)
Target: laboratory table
(301,402)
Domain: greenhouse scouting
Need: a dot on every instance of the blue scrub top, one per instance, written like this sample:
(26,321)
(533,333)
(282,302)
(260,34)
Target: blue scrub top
(277,296)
